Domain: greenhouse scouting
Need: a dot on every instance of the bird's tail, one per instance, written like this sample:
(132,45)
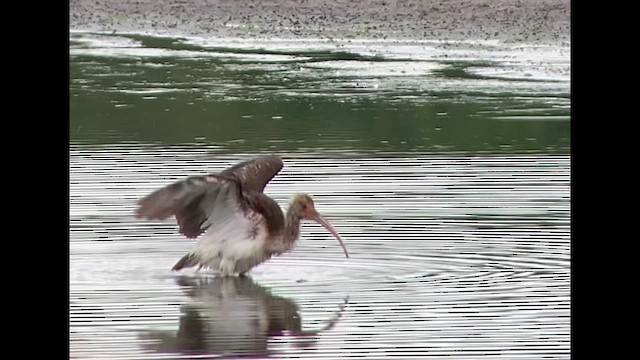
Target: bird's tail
(187,261)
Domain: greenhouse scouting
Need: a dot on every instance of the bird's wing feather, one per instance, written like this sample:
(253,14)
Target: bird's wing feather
(255,174)
(197,202)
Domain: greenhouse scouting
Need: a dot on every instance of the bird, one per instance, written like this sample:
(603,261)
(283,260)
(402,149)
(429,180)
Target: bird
(241,227)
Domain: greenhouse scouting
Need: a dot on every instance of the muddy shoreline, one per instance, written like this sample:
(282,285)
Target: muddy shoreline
(528,21)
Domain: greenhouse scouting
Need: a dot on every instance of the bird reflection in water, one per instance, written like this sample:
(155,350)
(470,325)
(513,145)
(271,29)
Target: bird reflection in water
(233,316)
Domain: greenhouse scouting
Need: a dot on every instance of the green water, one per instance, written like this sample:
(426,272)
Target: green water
(285,100)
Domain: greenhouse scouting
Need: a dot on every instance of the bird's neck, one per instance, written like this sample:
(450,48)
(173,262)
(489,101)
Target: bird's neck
(292,226)
(289,235)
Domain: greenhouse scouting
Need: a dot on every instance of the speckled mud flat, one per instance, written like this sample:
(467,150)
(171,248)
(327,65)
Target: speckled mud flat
(530,21)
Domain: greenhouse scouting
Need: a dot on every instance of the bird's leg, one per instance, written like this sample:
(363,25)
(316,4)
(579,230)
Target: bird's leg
(227,266)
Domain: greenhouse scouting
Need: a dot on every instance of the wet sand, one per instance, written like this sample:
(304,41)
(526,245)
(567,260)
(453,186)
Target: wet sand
(530,21)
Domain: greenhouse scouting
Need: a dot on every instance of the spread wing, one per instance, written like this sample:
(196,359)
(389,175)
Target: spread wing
(255,174)
(197,203)
(224,199)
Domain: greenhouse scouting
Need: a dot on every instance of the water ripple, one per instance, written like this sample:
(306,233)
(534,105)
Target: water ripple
(452,255)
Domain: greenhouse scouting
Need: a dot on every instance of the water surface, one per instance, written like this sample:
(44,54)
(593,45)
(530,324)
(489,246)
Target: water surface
(446,171)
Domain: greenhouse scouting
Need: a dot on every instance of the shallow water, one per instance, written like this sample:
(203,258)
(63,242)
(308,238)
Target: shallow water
(447,176)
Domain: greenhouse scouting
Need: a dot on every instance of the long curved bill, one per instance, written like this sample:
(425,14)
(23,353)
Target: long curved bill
(322,221)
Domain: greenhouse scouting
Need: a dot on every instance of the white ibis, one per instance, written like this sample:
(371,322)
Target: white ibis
(242,226)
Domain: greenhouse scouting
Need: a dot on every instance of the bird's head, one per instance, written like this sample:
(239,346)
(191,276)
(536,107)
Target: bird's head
(302,206)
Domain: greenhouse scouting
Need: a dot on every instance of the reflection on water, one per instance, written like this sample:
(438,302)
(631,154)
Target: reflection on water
(232,316)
